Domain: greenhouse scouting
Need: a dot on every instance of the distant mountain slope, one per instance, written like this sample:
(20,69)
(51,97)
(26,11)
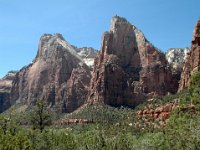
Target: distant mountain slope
(87,54)
(176,57)
(58,75)
(5,86)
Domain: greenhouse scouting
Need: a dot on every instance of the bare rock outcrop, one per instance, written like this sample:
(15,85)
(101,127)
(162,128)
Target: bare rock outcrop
(192,63)
(87,54)
(57,75)
(5,86)
(128,68)
(176,58)
(159,113)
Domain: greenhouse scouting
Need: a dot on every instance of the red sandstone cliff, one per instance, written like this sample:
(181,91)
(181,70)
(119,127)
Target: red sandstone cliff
(57,75)
(192,63)
(128,68)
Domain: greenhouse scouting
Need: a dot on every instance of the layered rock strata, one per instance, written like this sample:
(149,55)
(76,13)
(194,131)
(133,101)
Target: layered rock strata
(5,86)
(57,76)
(128,69)
(192,63)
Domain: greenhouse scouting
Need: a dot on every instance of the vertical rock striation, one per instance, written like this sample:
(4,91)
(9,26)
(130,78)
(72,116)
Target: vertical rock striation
(176,58)
(5,86)
(192,63)
(57,75)
(87,54)
(128,68)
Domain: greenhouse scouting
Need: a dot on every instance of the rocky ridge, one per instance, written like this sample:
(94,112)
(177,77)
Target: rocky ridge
(128,69)
(87,54)
(58,75)
(192,63)
(5,87)
(176,58)
(6,82)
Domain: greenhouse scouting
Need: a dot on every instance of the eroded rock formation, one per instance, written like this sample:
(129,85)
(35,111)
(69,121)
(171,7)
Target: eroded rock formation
(177,57)
(5,86)
(192,63)
(87,54)
(156,115)
(57,75)
(127,71)
(128,68)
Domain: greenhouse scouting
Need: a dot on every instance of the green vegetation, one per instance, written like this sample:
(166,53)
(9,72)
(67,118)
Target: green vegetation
(111,128)
(40,116)
(194,89)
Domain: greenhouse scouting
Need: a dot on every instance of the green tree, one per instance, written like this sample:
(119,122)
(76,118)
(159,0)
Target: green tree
(40,116)
(194,89)
(8,124)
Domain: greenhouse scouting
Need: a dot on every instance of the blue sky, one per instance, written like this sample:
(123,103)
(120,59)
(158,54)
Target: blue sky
(165,23)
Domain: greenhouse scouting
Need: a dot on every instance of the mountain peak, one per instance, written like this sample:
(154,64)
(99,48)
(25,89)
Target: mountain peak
(58,75)
(52,44)
(196,34)
(48,36)
(118,22)
(126,56)
(192,63)
(118,18)
(50,39)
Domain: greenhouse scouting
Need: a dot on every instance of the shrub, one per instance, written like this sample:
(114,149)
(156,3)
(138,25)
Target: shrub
(194,89)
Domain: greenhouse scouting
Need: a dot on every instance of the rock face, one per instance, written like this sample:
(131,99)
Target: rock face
(87,54)
(128,68)
(5,86)
(156,116)
(176,58)
(57,75)
(159,113)
(6,82)
(192,63)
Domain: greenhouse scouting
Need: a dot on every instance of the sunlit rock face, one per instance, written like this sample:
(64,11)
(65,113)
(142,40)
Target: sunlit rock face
(192,63)
(87,54)
(176,57)
(128,69)
(58,76)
